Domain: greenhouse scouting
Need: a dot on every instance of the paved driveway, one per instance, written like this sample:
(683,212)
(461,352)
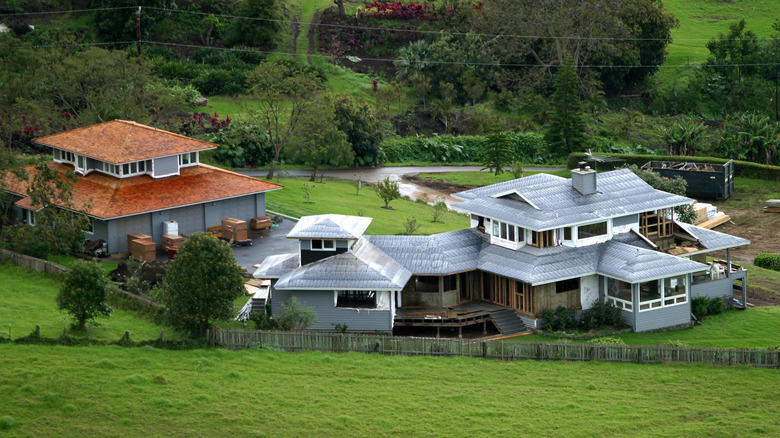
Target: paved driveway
(264,244)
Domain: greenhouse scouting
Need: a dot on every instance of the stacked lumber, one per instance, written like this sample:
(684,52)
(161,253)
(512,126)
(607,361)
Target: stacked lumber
(720,218)
(143,250)
(234,229)
(172,240)
(261,223)
(772,206)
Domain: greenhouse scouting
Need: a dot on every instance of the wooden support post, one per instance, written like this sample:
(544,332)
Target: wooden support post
(484,349)
(728,262)
(484,327)
(744,290)
(38,331)
(437,332)
(460,332)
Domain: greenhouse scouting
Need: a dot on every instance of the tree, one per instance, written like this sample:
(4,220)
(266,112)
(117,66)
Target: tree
(260,28)
(733,58)
(284,98)
(683,136)
(318,140)
(413,59)
(566,132)
(497,153)
(752,137)
(83,292)
(201,283)
(340,4)
(388,190)
(363,130)
(295,316)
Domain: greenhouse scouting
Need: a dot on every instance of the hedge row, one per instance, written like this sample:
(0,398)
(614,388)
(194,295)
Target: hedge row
(529,148)
(768,261)
(741,168)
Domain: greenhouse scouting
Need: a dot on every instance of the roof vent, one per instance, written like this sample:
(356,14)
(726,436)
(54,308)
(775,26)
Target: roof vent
(583,179)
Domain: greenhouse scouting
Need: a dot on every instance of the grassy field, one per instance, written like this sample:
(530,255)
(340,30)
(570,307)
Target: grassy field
(115,391)
(701,20)
(338,196)
(758,327)
(485,178)
(28,299)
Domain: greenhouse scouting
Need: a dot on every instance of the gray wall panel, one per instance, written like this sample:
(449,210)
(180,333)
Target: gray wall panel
(141,223)
(329,316)
(663,317)
(166,166)
(625,220)
(100,231)
(715,289)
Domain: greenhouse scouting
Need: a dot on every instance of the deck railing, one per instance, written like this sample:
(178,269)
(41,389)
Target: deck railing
(500,349)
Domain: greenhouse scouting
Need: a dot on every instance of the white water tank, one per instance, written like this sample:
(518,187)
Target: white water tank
(171,228)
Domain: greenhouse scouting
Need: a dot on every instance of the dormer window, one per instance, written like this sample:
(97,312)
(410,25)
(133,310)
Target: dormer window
(323,245)
(134,168)
(504,234)
(188,159)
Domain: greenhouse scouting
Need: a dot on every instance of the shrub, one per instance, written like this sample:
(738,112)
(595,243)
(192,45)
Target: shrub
(565,318)
(526,147)
(741,168)
(295,316)
(26,240)
(699,307)
(607,340)
(548,320)
(716,306)
(607,314)
(768,261)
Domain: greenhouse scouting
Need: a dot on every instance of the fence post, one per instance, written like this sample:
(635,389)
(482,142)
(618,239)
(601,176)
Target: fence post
(484,349)
(38,331)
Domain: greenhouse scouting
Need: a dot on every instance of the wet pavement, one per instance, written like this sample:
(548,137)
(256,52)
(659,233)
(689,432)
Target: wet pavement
(264,244)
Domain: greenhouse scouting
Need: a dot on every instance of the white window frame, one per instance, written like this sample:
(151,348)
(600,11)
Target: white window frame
(191,159)
(323,246)
(496,229)
(660,303)
(619,302)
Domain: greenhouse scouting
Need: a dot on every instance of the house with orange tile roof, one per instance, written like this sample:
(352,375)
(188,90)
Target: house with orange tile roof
(134,178)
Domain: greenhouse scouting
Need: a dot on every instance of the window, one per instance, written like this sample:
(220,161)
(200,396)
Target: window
(450,282)
(188,159)
(323,245)
(619,293)
(567,285)
(567,233)
(592,230)
(29,217)
(506,233)
(662,293)
(80,164)
(356,299)
(426,284)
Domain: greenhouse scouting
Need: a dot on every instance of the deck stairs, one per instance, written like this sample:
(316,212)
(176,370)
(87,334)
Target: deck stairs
(508,322)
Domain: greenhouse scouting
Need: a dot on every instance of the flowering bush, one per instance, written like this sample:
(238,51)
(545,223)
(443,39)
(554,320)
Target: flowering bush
(394,10)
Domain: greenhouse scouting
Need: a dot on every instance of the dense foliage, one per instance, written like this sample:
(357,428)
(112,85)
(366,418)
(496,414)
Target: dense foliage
(201,283)
(768,261)
(527,147)
(83,292)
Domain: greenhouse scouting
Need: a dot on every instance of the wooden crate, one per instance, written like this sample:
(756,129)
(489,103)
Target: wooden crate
(261,223)
(136,236)
(172,240)
(234,229)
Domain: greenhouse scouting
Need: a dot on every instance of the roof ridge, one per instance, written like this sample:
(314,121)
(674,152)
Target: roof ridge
(152,128)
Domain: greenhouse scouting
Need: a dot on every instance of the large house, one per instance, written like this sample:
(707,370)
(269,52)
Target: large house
(134,178)
(535,243)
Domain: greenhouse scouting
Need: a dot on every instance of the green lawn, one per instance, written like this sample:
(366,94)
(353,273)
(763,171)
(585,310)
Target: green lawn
(115,391)
(757,327)
(484,178)
(701,20)
(28,299)
(338,196)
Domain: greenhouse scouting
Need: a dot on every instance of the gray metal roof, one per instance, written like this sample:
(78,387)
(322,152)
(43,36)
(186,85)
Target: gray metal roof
(330,226)
(277,265)
(634,239)
(538,266)
(438,254)
(633,264)
(553,203)
(712,240)
(364,268)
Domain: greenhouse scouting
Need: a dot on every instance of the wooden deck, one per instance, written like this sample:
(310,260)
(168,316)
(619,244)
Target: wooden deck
(462,315)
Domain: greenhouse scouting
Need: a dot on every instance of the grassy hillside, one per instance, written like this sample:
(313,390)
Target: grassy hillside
(28,299)
(701,20)
(338,196)
(114,391)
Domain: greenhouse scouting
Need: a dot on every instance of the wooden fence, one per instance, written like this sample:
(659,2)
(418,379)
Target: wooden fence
(504,350)
(33,263)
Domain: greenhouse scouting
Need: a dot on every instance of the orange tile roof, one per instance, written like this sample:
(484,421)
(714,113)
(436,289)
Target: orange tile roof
(120,141)
(110,197)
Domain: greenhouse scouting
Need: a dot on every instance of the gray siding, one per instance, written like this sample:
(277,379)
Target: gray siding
(625,220)
(628,317)
(141,223)
(100,231)
(329,316)
(663,317)
(243,208)
(166,166)
(717,288)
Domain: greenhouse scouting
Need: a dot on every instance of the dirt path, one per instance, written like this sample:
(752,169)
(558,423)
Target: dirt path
(295,30)
(312,34)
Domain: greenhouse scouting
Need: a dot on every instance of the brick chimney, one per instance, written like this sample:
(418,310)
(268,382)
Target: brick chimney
(583,179)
